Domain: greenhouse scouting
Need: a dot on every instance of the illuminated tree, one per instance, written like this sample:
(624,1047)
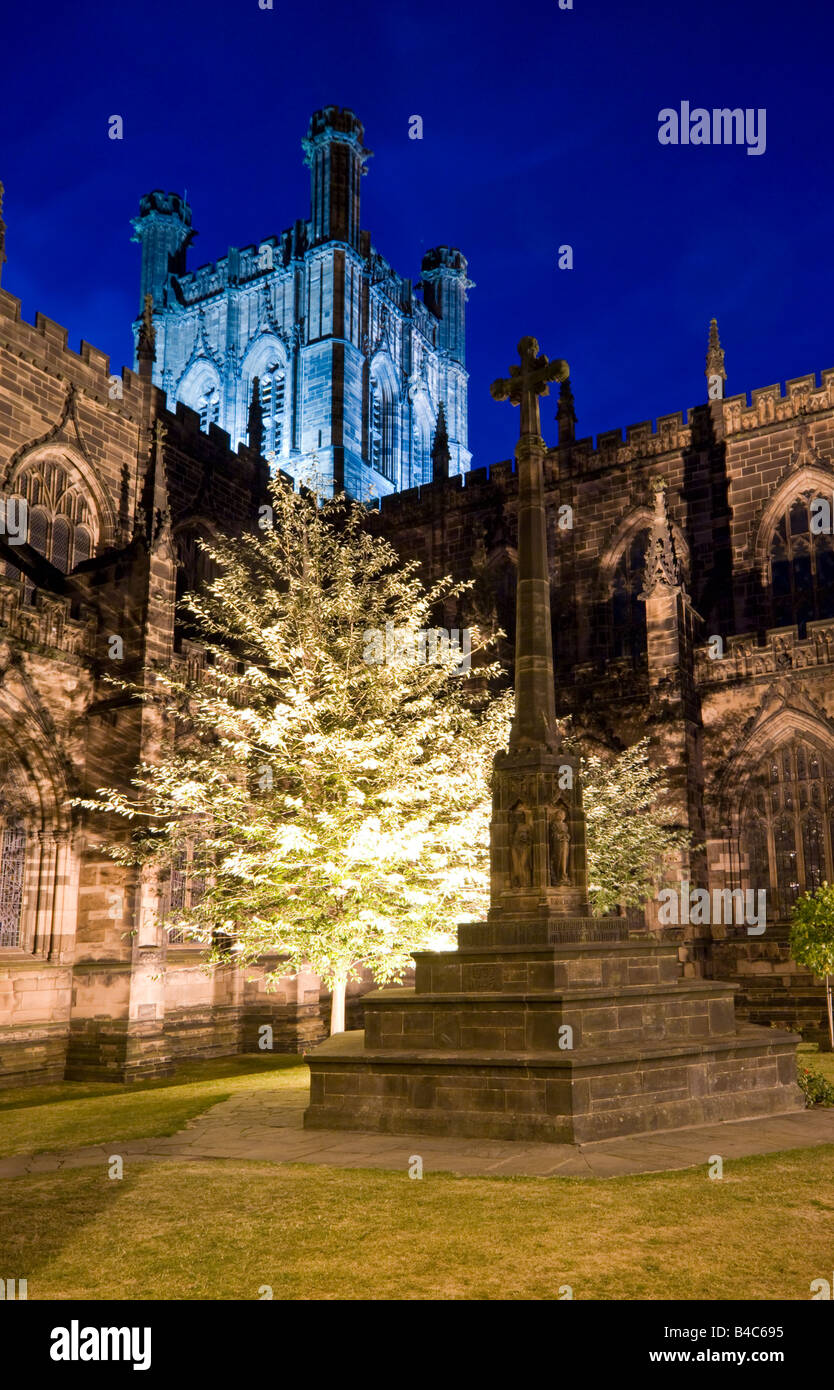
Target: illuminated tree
(812,938)
(629,840)
(329,786)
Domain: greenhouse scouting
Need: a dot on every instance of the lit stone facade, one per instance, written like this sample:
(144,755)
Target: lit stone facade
(351,365)
(720,646)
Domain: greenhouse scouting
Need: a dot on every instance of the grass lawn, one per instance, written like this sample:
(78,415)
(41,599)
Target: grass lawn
(223,1229)
(72,1114)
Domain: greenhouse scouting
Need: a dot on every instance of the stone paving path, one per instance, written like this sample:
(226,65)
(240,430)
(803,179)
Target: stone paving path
(267,1127)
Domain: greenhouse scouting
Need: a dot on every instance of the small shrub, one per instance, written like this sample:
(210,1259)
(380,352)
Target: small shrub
(816,1089)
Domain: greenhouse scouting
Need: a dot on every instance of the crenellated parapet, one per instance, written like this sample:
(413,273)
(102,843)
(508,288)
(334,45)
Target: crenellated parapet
(781,652)
(768,405)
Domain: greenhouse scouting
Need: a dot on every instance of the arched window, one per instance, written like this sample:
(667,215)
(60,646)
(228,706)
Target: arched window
(61,516)
(195,566)
(628,611)
(14,802)
(12,862)
(801,569)
(786,832)
(61,538)
(272,396)
(208,407)
(421,471)
(185,889)
(381,424)
(83,547)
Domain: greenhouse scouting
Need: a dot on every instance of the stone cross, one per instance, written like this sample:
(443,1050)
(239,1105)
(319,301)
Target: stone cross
(529,381)
(534,725)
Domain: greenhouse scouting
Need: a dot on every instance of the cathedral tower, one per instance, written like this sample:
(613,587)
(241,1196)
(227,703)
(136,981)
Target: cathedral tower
(444,284)
(336,156)
(164,229)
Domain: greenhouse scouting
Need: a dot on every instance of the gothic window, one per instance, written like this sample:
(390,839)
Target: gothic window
(801,569)
(421,471)
(61,522)
(209,407)
(786,835)
(185,890)
(12,861)
(195,566)
(61,544)
(83,545)
(272,408)
(381,426)
(628,612)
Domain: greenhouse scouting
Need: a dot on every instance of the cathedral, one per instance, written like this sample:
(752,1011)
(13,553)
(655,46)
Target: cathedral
(692,593)
(349,366)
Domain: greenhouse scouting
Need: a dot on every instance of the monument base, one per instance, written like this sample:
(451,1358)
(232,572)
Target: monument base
(561,1042)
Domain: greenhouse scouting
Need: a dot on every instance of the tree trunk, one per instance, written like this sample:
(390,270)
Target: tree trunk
(337,1007)
(830,1010)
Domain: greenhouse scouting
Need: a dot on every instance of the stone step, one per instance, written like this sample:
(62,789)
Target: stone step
(509,1022)
(533,969)
(556,1097)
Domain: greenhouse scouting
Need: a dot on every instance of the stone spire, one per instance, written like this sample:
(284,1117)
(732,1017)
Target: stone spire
(146,343)
(2,235)
(714,372)
(440,456)
(256,419)
(663,569)
(566,413)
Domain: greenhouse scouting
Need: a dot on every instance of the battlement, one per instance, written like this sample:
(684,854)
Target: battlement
(767,405)
(448,258)
(782,650)
(334,123)
(166,204)
(187,430)
(642,440)
(39,342)
(447,490)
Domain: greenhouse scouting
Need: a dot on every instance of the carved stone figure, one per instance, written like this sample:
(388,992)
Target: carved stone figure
(559,834)
(521,850)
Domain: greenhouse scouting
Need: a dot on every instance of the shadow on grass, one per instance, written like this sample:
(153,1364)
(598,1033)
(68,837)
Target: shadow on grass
(31,1239)
(213,1069)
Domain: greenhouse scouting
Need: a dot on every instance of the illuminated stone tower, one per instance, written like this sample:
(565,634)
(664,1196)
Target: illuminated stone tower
(352,365)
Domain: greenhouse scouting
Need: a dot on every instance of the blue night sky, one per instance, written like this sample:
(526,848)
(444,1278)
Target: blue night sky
(540,128)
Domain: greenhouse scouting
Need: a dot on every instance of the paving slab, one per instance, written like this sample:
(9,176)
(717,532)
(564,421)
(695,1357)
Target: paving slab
(260,1128)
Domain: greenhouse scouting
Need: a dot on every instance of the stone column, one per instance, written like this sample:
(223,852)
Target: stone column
(537,835)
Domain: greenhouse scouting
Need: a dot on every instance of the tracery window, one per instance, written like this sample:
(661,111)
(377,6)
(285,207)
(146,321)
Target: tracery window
(61,523)
(185,889)
(13,847)
(628,611)
(381,426)
(272,394)
(12,863)
(787,825)
(209,407)
(801,568)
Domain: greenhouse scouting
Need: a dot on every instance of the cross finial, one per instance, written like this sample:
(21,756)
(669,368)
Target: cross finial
(529,381)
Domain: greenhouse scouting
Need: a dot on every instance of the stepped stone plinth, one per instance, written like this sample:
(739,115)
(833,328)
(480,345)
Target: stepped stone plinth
(546,1023)
(477,1049)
